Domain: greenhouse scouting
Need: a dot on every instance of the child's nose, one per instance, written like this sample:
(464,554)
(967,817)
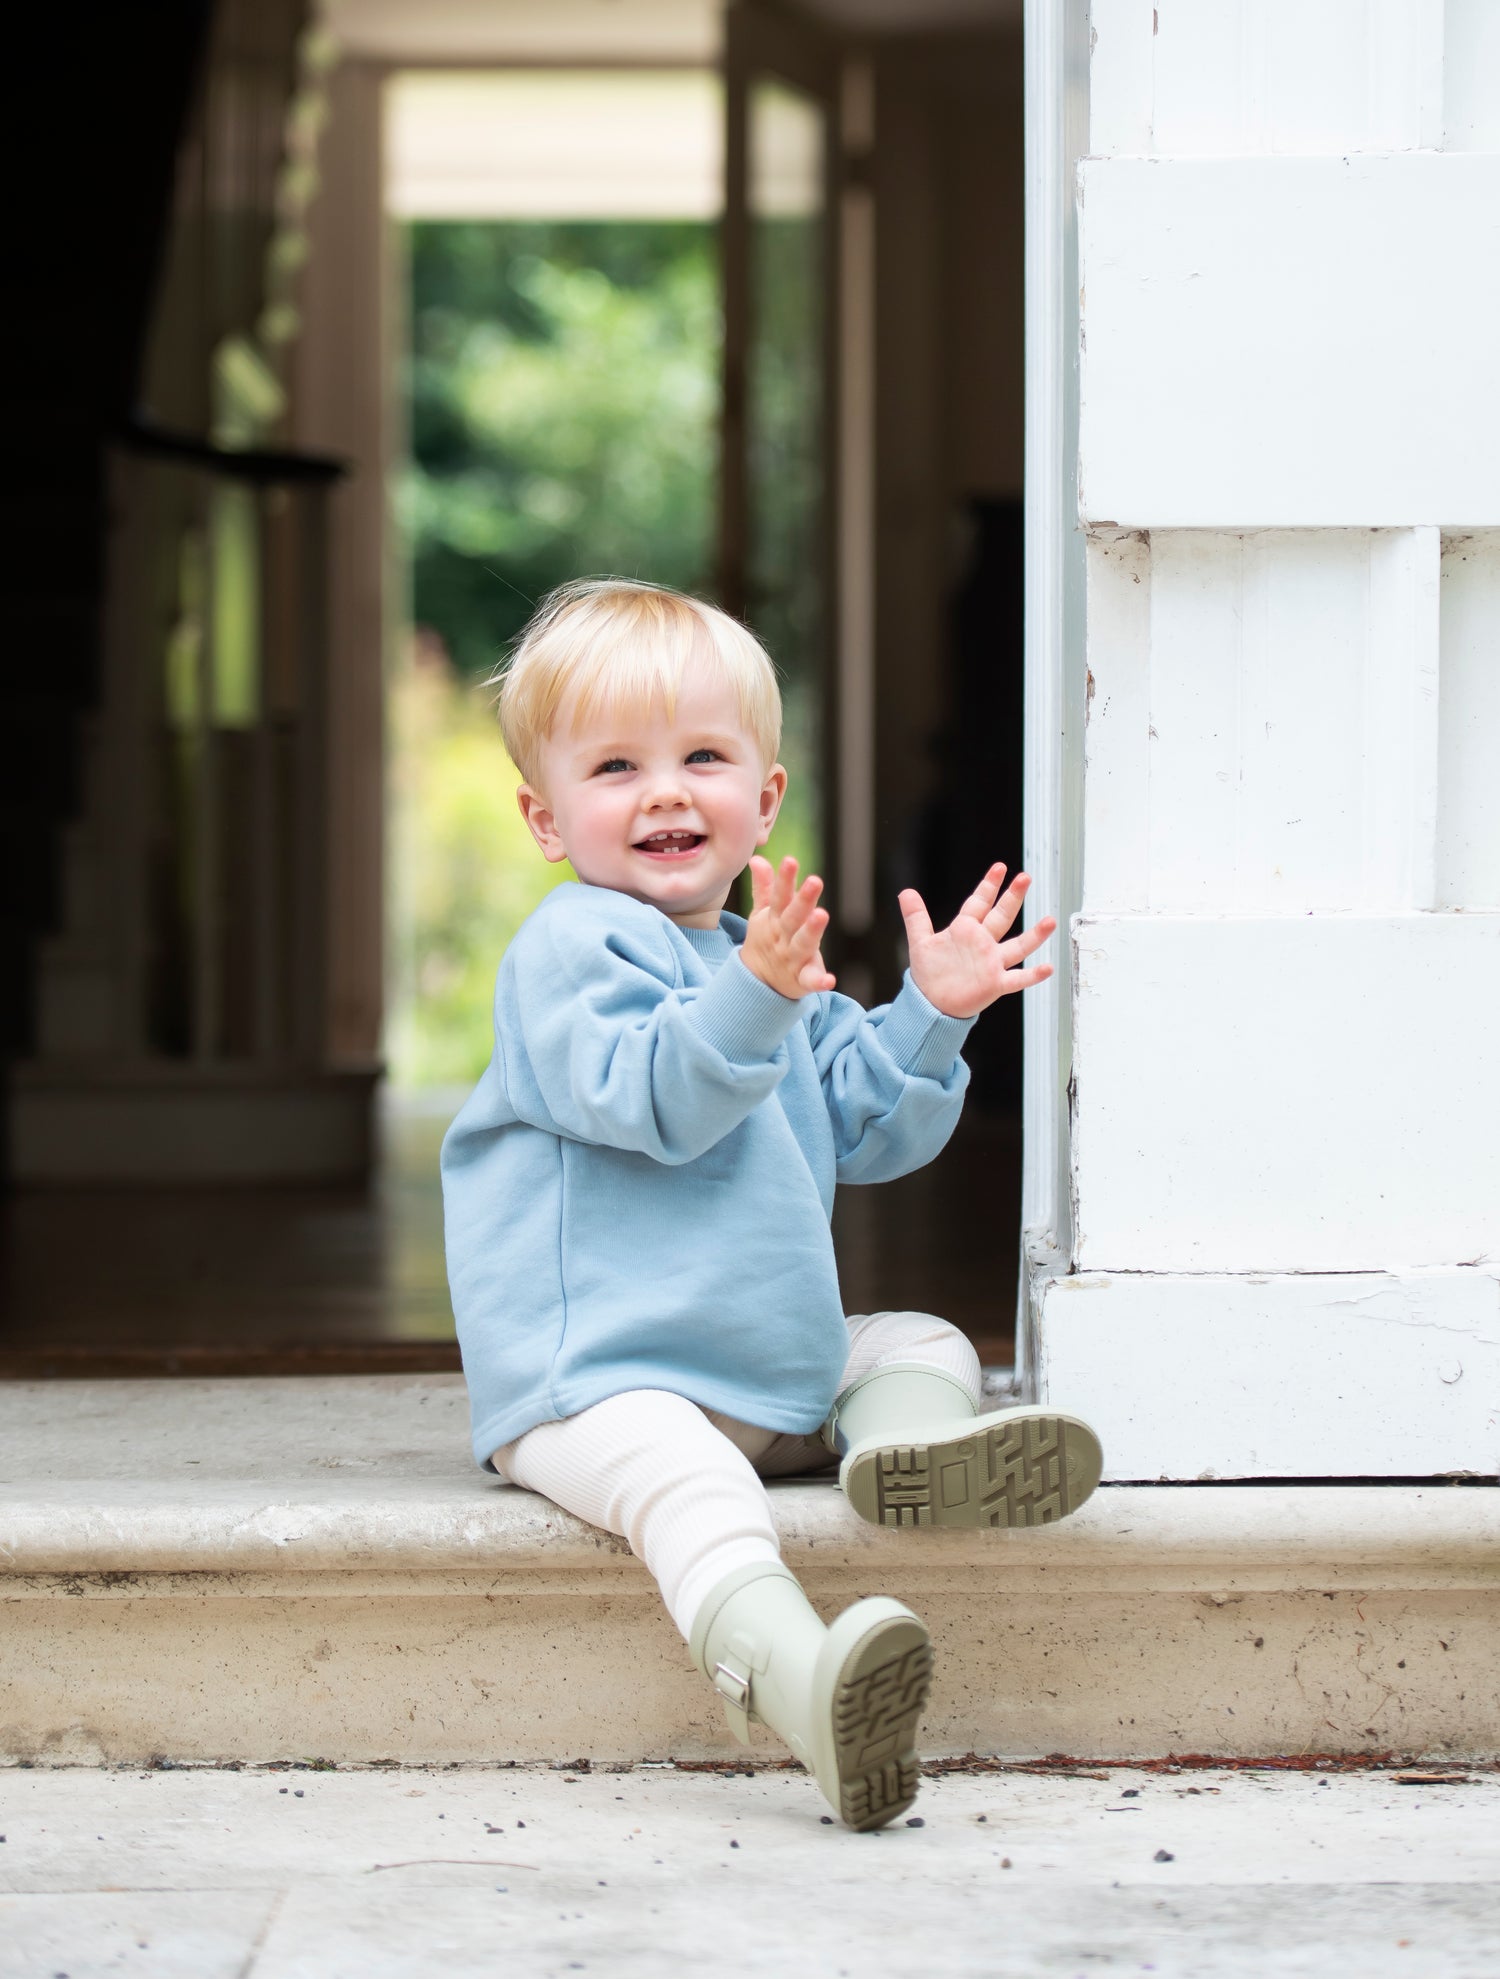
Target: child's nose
(666,792)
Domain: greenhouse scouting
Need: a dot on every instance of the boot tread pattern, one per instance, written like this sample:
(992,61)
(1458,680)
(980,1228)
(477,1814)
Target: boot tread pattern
(875,1717)
(1013,1473)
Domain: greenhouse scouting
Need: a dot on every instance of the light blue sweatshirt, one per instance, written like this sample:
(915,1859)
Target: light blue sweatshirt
(637,1193)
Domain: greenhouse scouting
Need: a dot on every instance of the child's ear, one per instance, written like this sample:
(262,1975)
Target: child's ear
(772,792)
(541,823)
(770,800)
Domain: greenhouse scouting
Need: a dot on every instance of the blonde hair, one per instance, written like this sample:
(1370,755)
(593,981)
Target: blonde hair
(617,643)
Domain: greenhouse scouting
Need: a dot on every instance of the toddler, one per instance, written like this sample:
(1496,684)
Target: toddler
(637,1194)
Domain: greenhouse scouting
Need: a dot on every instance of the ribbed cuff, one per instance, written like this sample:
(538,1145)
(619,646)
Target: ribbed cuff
(921,1039)
(742,1017)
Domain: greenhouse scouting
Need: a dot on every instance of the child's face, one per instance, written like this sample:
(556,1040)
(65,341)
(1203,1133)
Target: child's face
(666,811)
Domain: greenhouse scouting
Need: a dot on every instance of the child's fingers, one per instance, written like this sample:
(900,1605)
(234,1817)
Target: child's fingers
(802,903)
(1002,915)
(785,884)
(1024,979)
(984,896)
(1022,945)
(814,976)
(805,939)
(812,972)
(914,913)
(760,882)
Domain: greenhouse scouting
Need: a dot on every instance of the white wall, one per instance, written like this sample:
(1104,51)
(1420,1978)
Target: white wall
(1263,733)
(1286,1068)
(1290,340)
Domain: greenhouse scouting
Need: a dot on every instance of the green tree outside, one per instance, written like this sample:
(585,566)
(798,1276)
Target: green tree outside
(563,389)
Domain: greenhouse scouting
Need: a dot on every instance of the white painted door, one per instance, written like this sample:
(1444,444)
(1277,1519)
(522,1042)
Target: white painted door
(778,478)
(1275,1250)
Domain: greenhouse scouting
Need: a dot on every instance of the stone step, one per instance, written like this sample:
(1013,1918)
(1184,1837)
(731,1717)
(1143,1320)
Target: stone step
(310,1568)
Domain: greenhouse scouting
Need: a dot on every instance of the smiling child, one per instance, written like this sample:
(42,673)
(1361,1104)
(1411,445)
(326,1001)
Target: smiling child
(638,1192)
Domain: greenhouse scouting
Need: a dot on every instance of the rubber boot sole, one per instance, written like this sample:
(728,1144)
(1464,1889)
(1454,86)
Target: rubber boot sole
(879,1696)
(1021,1467)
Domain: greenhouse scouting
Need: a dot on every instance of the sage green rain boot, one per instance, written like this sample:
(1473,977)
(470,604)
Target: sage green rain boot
(847,1699)
(916,1453)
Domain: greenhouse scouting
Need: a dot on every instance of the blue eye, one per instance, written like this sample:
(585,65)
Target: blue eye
(705,755)
(614,763)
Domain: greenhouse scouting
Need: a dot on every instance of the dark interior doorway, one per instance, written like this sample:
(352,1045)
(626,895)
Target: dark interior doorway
(924,126)
(946,171)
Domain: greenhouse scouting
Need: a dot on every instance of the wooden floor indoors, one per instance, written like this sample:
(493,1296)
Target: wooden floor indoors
(98,1282)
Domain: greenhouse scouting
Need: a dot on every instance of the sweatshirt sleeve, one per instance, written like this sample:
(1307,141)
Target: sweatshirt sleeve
(600,1043)
(893,1081)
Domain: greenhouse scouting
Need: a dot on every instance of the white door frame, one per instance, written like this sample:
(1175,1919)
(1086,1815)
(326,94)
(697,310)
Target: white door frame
(1056,136)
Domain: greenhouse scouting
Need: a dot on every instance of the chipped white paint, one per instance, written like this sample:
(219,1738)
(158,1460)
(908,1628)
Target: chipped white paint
(1468,840)
(1471,75)
(1263,724)
(1312,1093)
(1117,738)
(1218,78)
(1120,78)
(1290,342)
(1405,1367)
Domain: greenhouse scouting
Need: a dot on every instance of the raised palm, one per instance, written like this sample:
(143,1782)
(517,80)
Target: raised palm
(970,964)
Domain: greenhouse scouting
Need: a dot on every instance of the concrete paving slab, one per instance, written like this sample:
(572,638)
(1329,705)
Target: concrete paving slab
(289,1874)
(141,1934)
(1218,1934)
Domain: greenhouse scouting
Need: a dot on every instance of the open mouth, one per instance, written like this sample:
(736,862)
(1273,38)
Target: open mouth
(670,844)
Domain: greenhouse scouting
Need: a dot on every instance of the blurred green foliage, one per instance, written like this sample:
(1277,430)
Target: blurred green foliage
(564,401)
(563,387)
(464,872)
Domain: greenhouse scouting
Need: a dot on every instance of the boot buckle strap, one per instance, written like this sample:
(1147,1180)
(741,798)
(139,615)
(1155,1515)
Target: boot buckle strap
(734,1687)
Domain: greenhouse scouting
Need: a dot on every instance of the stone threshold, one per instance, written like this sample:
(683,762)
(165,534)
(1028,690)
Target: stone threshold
(1285,1538)
(292,1567)
(297,1474)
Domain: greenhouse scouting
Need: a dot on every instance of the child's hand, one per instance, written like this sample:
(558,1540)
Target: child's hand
(969,965)
(784,930)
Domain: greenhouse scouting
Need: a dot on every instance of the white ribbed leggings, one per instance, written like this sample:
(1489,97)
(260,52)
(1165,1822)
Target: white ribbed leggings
(682,1484)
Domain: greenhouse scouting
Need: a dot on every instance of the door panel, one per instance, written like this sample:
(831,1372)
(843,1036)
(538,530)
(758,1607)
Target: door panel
(778,484)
